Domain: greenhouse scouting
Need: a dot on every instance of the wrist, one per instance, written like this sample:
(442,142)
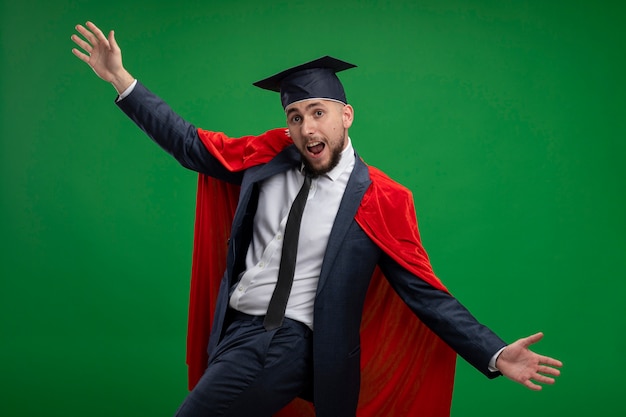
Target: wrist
(122,81)
(493,363)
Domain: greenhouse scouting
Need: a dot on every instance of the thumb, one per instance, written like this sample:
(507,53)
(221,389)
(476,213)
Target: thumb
(113,42)
(532,339)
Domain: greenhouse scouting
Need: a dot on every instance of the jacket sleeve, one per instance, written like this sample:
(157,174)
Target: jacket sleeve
(172,133)
(445,316)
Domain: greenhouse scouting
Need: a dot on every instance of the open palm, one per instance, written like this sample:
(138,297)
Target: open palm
(518,363)
(102,54)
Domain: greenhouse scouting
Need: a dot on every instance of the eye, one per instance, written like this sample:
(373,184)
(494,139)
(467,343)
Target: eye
(319,113)
(296,119)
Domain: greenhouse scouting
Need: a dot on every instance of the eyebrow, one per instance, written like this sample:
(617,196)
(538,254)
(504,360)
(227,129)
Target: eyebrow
(313,104)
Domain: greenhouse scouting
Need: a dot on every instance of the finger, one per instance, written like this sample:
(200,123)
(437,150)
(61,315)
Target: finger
(548,370)
(80,55)
(96,30)
(545,360)
(87,34)
(531,385)
(551,368)
(112,41)
(80,42)
(532,339)
(544,379)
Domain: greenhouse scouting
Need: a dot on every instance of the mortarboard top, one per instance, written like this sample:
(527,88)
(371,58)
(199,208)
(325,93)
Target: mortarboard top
(314,79)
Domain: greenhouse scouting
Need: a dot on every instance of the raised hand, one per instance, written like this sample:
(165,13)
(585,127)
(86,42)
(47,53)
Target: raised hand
(518,363)
(102,54)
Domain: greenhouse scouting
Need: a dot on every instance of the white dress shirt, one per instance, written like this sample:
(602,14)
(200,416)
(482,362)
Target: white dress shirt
(256,284)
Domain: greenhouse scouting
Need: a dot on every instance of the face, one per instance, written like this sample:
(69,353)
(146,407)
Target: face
(319,129)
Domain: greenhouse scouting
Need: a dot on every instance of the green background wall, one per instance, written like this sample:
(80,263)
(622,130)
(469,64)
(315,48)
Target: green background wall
(505,118)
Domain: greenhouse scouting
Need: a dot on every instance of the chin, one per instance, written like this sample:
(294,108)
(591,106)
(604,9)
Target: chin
(317,169)
(322,168)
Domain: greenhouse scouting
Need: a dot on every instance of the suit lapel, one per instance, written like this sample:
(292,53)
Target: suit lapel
(246,208)
(355,189)
(285,160)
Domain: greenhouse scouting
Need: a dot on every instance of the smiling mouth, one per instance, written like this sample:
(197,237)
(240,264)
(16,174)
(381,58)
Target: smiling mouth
(315,147)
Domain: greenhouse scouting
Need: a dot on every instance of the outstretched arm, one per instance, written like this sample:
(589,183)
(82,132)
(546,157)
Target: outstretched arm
(103,55)
(518,363)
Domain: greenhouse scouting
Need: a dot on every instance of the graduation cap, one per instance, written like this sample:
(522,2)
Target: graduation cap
(314,79)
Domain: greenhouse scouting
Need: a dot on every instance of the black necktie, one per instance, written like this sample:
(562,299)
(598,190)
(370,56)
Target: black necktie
(278,303)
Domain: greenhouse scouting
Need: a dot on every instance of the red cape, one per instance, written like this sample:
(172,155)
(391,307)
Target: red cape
(406,369)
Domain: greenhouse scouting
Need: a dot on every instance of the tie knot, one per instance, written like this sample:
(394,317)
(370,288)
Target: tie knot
(308,174)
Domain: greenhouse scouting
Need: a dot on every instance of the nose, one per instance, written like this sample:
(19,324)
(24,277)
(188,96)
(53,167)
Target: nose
(308,126)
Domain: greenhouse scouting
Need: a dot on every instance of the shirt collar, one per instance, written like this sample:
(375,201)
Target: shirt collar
(345,162)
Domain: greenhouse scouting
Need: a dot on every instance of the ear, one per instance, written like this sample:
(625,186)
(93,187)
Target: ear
(347,115)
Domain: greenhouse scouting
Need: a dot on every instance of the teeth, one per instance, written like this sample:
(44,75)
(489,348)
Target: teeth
(312,144)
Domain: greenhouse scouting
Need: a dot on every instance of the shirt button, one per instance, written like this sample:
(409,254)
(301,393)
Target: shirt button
(240,288)
(279,236)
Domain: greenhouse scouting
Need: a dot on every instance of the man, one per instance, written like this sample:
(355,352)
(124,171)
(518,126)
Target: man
(313,228)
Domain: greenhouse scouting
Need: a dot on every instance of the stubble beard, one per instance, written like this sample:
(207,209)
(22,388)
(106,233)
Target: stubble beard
(335,157)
